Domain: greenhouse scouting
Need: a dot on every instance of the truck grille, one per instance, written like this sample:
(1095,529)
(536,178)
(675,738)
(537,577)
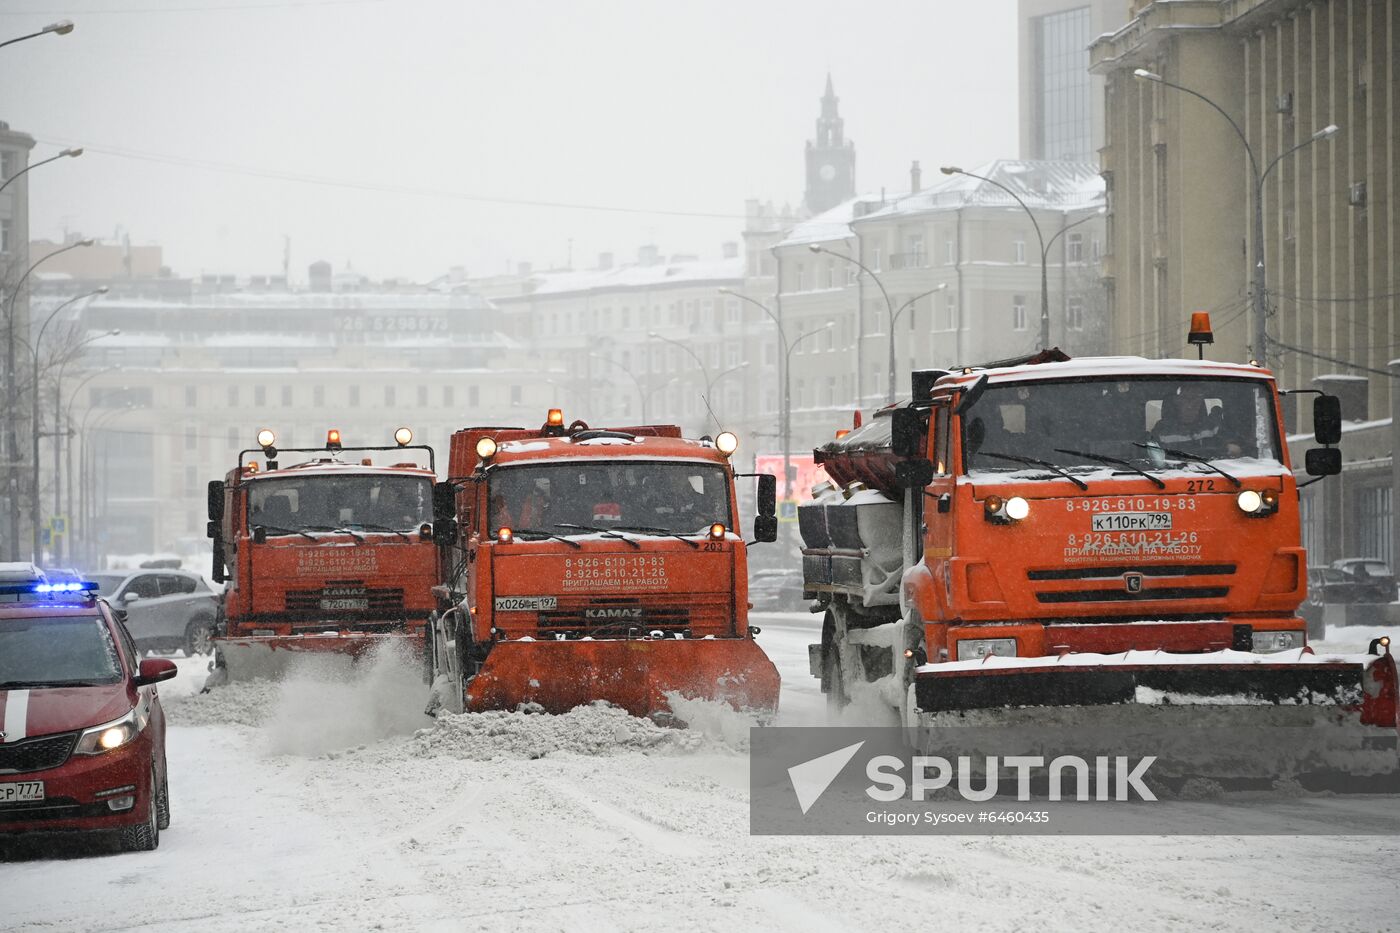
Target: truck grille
(1123,596)
(347,596)
(1146,570)
(39,754)
(616,617)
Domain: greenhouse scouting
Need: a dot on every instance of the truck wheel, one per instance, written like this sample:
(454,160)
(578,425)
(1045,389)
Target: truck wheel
(834,681)
(199,636)
(144,836)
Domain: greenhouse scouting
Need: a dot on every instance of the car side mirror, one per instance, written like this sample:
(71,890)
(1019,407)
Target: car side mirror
(130,597)
(1327,419)
(765,528)
(1323,461)
(154,670)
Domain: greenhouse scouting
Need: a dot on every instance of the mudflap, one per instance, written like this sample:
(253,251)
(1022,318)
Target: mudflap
(636,675)
(268,657)
(1242,720)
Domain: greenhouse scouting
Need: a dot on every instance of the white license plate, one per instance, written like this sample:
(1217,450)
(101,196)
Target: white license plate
(345,604)
(22,792)
(526,603)
(1133,521)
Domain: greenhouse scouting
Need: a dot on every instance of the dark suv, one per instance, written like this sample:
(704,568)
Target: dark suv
(165,609)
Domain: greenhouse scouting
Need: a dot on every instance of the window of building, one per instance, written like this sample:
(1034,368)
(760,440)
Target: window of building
(191,480)
(449,395)
(831,273)
(1076,247)
(1018,312)
(875,258)
(7,164)
(801,277)
(191,439)
(801,394)
(770,354)
(950,313)
(286,396)
(422,396)
(950,251)
(232,439)
(191,396)
(1019,250)
(731,310)
(260,396)
(829,394)
(5,234)
(473,396)
(1074,314)
(626,315)
(233,396)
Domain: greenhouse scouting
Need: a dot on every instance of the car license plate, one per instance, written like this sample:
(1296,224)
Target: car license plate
(332,604)
(526,603)
(22,792)
(1133,521)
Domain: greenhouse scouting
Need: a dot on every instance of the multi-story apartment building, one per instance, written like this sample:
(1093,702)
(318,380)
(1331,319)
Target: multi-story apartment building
(166,405)
(1216,111)
(14,329)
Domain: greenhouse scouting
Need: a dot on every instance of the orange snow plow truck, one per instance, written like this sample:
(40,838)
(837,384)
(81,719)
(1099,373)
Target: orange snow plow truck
(595,564)
(1118,537)
(332,555)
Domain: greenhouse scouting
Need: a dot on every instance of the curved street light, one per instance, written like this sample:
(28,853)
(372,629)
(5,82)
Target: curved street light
(889,306)
(65,154)
(61,28)
(1260,336)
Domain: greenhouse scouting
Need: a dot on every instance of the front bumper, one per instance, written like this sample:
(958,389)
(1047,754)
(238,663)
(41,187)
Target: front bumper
(77,792)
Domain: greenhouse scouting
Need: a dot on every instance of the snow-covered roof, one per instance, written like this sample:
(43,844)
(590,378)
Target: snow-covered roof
(635,276)
(298,301)
(1109,366)
(834,224)
(1042,185)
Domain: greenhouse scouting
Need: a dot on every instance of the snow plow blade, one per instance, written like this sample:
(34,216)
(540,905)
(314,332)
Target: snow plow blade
(1326,722)
(267,657)
(637,675)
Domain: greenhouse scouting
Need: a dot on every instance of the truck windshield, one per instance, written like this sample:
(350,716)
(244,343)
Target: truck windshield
(1152,423)
(55,652)
(663,497)
(361,502)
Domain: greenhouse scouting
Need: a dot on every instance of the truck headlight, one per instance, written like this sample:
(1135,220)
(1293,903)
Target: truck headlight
(970,649)
(1255,504)
(1267,642)
(109,736)
(1004,511)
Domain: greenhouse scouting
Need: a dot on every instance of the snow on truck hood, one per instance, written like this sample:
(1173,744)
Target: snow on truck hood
(1136,658)
(1109,367)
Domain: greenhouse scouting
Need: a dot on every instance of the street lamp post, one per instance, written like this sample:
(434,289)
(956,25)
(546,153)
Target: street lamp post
(65,154)
(889,308)
(61,28)
(11,400)
(1260,337)
(704,370)
(67,508)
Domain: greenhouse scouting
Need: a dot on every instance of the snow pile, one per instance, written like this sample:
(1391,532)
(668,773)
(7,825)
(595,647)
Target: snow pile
(714,719)
(597,730)
(244,704)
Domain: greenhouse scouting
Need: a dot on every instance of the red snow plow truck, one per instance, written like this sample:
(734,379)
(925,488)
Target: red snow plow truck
(1114,536)
(595,564)
(333,555)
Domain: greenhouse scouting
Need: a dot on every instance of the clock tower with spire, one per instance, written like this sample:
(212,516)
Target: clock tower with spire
(831,159)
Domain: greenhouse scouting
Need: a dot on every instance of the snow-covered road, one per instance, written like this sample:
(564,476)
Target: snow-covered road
(342,817)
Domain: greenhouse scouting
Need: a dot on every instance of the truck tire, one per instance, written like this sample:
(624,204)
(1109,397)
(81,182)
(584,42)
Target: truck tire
(199,636)
(836,698)
(144,836)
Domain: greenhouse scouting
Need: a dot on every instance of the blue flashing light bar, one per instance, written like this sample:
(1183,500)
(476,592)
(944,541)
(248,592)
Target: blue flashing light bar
(47,589)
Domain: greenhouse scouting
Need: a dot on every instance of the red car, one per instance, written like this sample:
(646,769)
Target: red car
(82,733)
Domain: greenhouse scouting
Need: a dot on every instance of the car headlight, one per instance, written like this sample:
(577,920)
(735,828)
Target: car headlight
(1266,642)
(110,735)
(970,649)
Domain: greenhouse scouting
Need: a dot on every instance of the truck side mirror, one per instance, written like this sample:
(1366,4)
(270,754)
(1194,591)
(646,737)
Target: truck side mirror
(216,573)
(444,531)
(913,474)
(1327,419)
(906,432)
(1323,461)
(216,501)
(259,534)
(444,505)
(767,495)
(765,528)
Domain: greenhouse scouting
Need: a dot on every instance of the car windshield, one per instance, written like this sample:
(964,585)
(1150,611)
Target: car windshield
(324,503)
(579,497)
(1152,423)
(56,652)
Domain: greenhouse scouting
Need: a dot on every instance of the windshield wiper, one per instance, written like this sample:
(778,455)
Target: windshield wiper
(652,530)
(276,530)
(1032,461)
(601,531)
(359,538)
(1192,458)
(1117,461)
(371,526)
(545,534)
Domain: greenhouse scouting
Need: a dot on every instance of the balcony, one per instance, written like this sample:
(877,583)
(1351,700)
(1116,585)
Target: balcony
(915,260)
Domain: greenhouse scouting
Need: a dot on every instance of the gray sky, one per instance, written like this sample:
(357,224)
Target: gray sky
(652,105)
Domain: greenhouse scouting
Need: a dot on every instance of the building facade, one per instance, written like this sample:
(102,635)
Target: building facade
(1185,181)
(14,318)
(1061,102)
